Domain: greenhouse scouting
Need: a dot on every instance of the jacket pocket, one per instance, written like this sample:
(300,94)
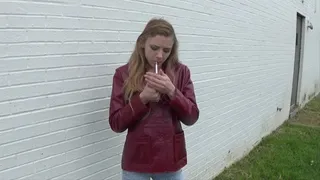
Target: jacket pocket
(179,145)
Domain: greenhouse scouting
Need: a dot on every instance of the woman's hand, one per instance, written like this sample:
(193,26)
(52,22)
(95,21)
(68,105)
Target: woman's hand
(160,82)
(149,95)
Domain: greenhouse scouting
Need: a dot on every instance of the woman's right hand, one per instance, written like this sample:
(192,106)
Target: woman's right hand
(149,95)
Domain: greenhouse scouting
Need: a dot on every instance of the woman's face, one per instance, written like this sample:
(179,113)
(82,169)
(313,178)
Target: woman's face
(157,49)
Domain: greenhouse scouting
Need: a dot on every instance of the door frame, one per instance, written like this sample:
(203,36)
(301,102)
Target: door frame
(293,108)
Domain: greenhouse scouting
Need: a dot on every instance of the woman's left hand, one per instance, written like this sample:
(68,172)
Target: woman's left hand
(160,82)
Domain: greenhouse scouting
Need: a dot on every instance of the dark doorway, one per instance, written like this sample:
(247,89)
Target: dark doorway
(297,62)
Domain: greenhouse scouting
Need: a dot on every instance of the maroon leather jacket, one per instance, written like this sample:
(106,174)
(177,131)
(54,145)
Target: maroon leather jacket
(155,140)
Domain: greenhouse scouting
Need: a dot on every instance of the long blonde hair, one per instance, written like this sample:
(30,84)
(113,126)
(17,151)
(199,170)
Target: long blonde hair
(138,64)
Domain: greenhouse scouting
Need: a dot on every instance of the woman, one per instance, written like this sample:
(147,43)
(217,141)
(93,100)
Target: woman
(151,104)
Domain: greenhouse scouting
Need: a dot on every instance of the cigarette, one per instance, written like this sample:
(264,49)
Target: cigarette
(156,68)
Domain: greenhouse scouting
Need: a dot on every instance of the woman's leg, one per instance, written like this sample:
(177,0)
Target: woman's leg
(178,175)
(127,175)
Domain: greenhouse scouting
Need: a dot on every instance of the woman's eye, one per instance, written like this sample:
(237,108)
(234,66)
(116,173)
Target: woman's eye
(154,48)
(166,50)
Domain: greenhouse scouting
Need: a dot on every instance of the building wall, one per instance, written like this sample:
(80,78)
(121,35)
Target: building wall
(58,57)
(310,79)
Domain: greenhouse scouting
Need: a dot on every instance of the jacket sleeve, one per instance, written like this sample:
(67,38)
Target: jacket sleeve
(184,101)
(122,115)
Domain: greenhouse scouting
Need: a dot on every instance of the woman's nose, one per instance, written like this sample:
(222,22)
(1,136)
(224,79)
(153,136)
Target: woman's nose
(159,54)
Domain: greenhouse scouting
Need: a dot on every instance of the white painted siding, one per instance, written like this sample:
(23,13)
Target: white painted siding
(57,59)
